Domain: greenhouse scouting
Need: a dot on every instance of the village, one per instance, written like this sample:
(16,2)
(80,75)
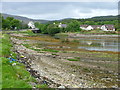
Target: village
(83,27)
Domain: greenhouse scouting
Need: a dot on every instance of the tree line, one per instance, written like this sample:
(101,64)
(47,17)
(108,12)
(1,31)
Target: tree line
(52,29)
(10,23)
(73,25)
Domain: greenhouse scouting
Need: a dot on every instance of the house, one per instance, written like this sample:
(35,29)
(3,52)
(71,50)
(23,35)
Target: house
(108,27)
(94,27)
(86,27)
(31,25)
(62,25)
(83,27)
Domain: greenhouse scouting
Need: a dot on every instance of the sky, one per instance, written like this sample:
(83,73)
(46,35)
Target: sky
(59,10)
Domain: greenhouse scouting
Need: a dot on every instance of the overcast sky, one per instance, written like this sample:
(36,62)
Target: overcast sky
(60,10)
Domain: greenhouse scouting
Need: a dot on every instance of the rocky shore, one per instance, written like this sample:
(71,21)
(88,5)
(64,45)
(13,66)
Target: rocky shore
(54,70)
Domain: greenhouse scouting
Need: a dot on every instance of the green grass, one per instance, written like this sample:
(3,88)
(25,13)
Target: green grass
(77,58)
(27,45)
(13,76)
(41,86)
(50,50)
(54,54)
(73,59)
(97,32)
(5,46)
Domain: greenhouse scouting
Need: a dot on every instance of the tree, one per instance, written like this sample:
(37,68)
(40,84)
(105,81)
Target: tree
(11,23)
(73,26)
(5,23)
(15,24)
(53,29)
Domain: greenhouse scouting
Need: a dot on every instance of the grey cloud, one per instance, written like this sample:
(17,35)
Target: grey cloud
(55,10)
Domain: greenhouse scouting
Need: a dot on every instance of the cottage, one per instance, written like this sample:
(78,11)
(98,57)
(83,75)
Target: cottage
(31,25)
(94,27)
(86,27)
(108,27)
(62,25)
(83,27)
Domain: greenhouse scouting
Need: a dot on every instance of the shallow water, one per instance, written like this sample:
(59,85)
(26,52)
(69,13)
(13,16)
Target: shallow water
(103,44)
(96,43)
(87,43)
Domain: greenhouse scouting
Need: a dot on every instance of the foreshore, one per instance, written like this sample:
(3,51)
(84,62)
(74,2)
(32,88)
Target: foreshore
(90,35)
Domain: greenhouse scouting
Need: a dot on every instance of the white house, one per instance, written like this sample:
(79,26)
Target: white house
(94,27)
(86,27)
(31,25)
(108,27)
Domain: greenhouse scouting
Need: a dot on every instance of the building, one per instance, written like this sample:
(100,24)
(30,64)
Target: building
(101,27)
(84,27)
(62,25)
(96,26)
(108,27)
(31,25)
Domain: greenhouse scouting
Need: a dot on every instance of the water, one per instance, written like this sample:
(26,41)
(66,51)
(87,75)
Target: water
(100,43)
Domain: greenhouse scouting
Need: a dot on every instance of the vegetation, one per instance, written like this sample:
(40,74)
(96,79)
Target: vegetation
(12,24)
(73,59)
(13,76)
(73,25)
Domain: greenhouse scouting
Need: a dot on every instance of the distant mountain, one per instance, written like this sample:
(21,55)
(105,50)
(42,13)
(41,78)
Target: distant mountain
(105,18)
(110,16)
(66,20)
(24,19)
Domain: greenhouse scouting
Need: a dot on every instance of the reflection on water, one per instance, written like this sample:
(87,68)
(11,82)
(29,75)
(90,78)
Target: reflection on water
(97,43)
(88,43)
(103,44)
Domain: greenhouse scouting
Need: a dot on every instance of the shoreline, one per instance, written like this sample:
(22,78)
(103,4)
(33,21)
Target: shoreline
(90,35)
(54,67)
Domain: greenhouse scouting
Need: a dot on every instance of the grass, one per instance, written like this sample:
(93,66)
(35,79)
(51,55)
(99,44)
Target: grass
(73,59)
(27,45)
(41,86)
(5,46)
(77,57)
(54,54)
(50,50)
(13,76)
(98,32)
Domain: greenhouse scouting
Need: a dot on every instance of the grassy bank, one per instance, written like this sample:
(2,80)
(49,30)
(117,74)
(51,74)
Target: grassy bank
(13,76)
(91,32)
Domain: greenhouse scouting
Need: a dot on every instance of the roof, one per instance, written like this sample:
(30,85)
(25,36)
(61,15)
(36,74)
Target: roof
(84,26)
(110,27)
(95,26)
(63,25)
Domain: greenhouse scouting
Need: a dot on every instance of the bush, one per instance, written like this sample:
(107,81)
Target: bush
(53,30)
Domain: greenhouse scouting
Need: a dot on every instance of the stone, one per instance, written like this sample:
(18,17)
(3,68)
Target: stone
(61,87)
(13,64)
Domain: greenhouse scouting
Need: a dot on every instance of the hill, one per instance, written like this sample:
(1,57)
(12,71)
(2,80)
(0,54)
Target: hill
(24,19)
